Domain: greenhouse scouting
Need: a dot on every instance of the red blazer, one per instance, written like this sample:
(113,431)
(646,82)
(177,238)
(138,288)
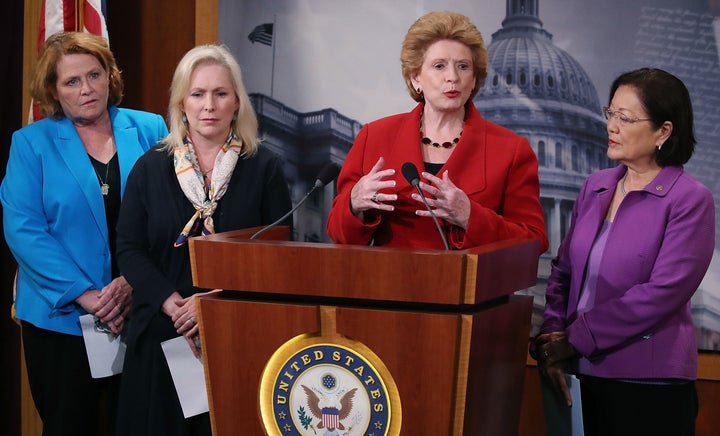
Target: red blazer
(495,167)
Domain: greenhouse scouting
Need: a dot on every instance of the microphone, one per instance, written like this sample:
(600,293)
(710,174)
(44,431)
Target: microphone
(411,174)
(327,174)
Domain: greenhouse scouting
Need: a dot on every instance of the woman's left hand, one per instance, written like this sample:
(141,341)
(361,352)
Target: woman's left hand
(447,200)
(114,303)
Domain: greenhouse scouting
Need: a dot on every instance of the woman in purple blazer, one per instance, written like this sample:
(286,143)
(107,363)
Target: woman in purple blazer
(617,308)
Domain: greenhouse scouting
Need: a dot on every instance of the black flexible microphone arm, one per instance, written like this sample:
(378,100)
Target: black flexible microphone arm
(327,174)
(413,177)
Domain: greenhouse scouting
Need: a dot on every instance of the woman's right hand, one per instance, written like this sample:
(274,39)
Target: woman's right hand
(556,374)
(365,195)
(554,354)
(185,320)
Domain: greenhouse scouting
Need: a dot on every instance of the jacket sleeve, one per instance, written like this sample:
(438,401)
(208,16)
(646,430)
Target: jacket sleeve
(558,285)
(29,230)
(521,214)
(343,226)
(276,195)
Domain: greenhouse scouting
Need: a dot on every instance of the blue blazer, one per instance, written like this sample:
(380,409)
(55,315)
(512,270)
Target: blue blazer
(54,215)
(657,252)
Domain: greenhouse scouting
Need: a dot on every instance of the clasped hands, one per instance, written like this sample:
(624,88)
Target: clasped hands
(183,312)
(554,353)
(447,200)
(110,305)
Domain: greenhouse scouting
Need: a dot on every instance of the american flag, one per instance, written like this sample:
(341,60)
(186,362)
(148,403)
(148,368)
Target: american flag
(330,417)
(69,15)
(262,33)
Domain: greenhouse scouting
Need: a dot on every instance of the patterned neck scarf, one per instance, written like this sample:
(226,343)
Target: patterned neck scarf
(191,181)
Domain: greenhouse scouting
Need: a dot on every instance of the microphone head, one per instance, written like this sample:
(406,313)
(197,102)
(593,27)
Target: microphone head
(411,173)
(327,174)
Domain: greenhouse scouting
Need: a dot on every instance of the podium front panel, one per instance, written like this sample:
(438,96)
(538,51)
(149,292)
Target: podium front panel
(454,371)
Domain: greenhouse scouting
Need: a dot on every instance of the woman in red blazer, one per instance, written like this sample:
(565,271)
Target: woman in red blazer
(480,179)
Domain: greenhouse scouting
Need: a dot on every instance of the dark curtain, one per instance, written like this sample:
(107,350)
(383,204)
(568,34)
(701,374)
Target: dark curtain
(11,56)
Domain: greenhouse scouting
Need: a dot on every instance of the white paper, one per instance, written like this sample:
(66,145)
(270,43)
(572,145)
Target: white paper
(106,352)
(576,409)
(188,376)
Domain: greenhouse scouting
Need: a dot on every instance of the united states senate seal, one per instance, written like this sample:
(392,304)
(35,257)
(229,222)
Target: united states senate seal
(319,386)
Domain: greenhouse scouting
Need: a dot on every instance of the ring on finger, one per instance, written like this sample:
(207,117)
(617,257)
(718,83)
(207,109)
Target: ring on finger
(374,197)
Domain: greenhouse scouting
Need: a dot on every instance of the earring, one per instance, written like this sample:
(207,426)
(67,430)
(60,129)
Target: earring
(659,146)
(235,116)
(184,118)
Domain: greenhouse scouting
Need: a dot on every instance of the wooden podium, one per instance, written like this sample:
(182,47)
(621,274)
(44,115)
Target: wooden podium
(445,324)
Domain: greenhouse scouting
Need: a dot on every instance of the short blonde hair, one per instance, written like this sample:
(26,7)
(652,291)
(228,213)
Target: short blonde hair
(436,26)
(245,127)
(44,81)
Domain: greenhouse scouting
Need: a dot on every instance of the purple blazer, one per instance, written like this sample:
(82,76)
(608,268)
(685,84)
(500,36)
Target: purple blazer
(657,252)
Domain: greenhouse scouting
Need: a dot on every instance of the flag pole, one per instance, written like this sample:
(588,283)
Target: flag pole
(78,16)
(274,44)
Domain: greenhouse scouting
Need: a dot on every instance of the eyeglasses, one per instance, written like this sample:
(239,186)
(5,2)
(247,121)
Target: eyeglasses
(621,116)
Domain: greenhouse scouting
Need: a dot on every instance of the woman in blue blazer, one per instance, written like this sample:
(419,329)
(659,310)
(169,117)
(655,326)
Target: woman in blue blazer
(618,299)
(61,195)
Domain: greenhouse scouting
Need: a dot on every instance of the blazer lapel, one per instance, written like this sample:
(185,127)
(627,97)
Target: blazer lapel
(129,148)
(467,164)
(406,145)
(72,151)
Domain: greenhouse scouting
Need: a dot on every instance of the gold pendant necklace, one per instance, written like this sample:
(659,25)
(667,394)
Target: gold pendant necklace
(104,187)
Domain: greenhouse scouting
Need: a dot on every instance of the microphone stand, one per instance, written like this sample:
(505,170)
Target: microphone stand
(279,220)
(432,214)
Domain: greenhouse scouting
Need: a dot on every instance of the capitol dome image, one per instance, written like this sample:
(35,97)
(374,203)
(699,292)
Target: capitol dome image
(540,92)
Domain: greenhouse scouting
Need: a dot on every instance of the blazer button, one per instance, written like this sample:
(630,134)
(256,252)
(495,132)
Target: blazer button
(659,188)
(647,336)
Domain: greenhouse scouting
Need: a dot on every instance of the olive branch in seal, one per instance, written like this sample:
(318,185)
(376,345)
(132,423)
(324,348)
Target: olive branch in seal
(305,420)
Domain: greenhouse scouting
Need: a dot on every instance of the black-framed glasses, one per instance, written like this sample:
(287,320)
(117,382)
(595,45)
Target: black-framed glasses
(609,114)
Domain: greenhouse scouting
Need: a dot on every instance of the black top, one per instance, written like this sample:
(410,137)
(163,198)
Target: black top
(155,210)
(110,174)
(433,168)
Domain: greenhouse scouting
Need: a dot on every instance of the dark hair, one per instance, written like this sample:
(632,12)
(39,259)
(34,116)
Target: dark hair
(665,98)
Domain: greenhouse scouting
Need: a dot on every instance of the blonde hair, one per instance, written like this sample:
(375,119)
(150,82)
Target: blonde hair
(436,26)
(244,126)
(44,81)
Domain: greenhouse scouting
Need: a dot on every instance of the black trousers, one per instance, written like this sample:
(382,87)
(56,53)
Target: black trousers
(617,408)
(70,402)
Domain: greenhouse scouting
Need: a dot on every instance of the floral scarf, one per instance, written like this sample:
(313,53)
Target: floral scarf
(191,182)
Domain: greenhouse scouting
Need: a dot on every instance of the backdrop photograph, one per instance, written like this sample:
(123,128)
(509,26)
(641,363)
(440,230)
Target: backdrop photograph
(320,69)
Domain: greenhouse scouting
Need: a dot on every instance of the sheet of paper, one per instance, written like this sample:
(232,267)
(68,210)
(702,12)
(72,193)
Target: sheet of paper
(106,352)
(188,376)
(576,412)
